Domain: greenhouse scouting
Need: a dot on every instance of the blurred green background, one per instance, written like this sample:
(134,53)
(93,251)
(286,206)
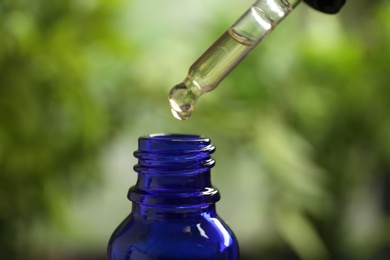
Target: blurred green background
(302,126)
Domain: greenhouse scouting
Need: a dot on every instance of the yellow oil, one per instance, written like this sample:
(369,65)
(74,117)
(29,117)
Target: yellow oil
(208,71)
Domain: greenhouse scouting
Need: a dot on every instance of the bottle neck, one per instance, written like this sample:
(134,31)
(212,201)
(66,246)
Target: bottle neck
(173,175)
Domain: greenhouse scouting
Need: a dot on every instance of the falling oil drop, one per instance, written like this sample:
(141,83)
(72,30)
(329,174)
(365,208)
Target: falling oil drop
(182,101)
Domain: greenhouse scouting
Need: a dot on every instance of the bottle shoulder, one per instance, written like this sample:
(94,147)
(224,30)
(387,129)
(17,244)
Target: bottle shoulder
(196,238)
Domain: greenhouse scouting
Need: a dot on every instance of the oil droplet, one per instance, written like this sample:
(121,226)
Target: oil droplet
(182,101)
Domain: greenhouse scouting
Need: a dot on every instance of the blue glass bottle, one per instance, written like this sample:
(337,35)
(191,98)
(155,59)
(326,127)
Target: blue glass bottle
(173,213)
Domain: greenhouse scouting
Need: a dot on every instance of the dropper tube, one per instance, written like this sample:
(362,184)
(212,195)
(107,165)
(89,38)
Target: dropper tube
(227,52)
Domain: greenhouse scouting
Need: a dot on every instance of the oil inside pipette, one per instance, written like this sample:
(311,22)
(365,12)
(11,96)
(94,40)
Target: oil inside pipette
(207,72)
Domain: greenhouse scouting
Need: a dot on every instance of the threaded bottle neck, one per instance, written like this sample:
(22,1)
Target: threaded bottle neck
(174,171)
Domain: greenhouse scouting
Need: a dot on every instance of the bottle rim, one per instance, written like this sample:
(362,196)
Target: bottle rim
(174,136)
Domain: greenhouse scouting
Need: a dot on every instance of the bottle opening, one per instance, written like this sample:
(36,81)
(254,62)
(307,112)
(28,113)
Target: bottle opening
(186,143)
(177,137)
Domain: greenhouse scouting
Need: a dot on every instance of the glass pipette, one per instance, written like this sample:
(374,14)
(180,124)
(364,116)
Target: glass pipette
(227,52)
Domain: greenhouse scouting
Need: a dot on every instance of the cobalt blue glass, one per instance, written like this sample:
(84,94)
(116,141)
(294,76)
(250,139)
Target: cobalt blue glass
(173,213)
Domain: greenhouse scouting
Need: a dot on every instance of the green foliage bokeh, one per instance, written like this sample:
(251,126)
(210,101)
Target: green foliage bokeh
(54,120)
(301,126)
